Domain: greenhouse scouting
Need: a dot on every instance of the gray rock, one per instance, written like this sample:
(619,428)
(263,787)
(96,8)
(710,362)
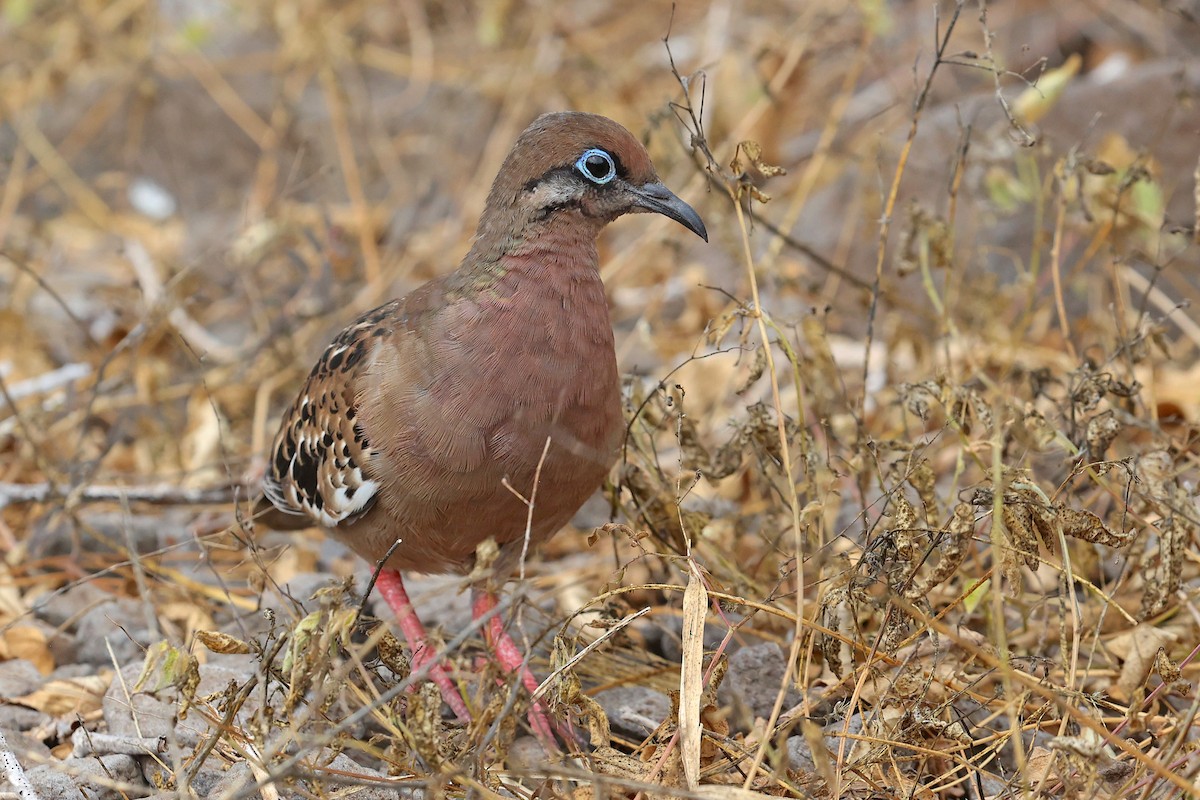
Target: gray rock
(69,671)
(248,625)
(211,772)
(29,750)
(107,532)
(85,778)
(56,608)
(634,710)
(20,718)
(238,776)
(754,677)
(299,589)
(146,715)
(18,677)
(64,646)
(53,610)
(49,781)
(374,785)
(120,624)
(800,755)
(437,598)
(663,633)
(997,787)
(215,779)
(526,755)
(833,737)
(444,606)
(139,714)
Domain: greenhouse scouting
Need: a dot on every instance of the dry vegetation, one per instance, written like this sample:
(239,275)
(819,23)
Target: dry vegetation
(922,413)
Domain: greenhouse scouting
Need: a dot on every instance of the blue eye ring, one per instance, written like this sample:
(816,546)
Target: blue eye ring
(586,166)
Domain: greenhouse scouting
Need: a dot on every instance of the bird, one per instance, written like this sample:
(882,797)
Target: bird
(484,404)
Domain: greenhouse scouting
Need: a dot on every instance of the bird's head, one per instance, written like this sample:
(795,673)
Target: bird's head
(583,169)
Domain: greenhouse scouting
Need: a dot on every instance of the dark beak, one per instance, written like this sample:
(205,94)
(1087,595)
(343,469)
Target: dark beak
(661,200)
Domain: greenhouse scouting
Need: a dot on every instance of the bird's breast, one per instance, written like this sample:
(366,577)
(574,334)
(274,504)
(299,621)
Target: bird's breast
(555,359)
(509,391)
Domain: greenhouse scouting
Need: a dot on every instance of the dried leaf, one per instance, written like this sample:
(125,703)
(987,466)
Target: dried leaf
(223,643)
(691,675)
(608,761)
(756,371)
(1087,746)
(75,696)
(923,479)
(1018,523)
(1039,433)
(1039,769)
(1138,648)
(1087,526)
(814,737)
(1162,575)
(166,666)
(952,545)
(904,516)
(394,655)
(1036,101)
(1101,430)
(425,722)
(724,792)
(29,643)
(1167,669)
(838,616)
(753,153)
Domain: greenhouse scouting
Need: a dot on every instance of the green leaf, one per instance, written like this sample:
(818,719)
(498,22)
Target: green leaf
(17,12)
(972,600)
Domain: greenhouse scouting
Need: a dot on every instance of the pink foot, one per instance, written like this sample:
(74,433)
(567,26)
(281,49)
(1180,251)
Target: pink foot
(391,588)
(510,659)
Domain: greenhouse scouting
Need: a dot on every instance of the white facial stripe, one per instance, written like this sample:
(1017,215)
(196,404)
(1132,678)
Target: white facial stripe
(557,190)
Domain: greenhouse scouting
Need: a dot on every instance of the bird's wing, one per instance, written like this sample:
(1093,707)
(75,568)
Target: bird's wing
(414,374)
(320,460)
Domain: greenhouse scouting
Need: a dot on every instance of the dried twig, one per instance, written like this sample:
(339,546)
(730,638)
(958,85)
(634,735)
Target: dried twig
(161,495)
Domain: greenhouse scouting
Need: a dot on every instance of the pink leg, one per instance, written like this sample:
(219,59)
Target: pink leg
(391,588)
(509,656)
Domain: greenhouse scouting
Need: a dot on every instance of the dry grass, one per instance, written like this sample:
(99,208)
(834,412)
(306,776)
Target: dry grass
(924,416)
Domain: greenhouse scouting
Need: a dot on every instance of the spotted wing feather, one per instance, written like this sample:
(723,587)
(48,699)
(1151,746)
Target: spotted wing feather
(320,467)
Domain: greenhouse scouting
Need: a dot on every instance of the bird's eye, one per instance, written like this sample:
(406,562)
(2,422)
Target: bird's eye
(597,166)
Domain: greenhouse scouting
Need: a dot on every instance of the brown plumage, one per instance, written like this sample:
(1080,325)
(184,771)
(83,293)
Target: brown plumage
(426,416)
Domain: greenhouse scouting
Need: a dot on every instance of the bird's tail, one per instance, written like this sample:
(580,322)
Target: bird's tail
(266,514)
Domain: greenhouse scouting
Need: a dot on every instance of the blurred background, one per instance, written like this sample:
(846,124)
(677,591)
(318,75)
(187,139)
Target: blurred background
(234,181)
(198,194)
(971,231)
